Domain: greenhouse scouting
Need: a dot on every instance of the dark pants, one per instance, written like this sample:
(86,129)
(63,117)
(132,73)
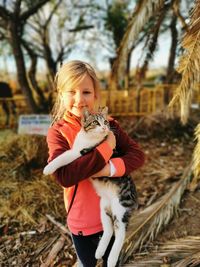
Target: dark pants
(86,246)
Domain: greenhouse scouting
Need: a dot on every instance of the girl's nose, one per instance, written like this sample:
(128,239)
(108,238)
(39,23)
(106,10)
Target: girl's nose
(79,98)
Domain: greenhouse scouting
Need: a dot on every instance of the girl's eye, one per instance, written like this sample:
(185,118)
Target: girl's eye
(87,92)
(70,92)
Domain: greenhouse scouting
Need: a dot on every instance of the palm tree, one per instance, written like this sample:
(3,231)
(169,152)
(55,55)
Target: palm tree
(189,67)
(148,223)
(144,10)
(152,18)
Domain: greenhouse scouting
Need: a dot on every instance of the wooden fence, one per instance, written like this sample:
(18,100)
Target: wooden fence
(144,101)
(120,102)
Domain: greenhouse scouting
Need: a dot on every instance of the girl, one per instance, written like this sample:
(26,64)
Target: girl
(78,88)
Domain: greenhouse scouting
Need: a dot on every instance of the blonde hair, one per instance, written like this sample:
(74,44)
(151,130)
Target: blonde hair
(70,75)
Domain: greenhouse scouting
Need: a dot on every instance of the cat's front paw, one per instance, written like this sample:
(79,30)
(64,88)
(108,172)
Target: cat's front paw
(48,170)
(99,253)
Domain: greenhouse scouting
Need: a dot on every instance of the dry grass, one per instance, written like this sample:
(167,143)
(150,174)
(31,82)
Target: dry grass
(25,194)
(28,201)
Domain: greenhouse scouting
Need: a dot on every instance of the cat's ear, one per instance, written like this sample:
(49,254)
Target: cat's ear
(104,111)
(86,113)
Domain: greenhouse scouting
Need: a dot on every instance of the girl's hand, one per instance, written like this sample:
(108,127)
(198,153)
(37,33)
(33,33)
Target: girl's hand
(111,139)
(104,172)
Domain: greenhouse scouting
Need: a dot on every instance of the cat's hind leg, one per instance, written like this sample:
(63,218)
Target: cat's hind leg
(120,232)
(107,228)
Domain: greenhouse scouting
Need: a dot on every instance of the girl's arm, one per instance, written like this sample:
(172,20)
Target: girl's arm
(83,167)
(103,172)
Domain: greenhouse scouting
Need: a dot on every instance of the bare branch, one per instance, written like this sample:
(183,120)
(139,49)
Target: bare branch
(36,29)
(54,251)
(4,14)
(17,7)
(2,36)
(86,6)
(25,15)
(81,28)
(52,12)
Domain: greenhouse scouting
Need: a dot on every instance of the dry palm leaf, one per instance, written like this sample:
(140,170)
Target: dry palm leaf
(144,10)
(176,9)
(189,65)
(192,261)
(151,43)
(148,223)
(196,155)
(196,159)
(180,253)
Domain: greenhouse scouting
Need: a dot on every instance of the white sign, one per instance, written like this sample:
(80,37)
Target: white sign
(34,124)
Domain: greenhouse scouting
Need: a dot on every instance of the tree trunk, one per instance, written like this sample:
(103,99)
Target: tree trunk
(112,83)
(51,64)
(172,56)
(32,77)
(127,71)
(20,66)
(152,44)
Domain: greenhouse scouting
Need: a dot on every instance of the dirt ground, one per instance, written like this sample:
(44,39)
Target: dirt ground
(168,147)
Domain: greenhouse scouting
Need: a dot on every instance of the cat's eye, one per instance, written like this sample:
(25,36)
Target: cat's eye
(106,122)
(95,123)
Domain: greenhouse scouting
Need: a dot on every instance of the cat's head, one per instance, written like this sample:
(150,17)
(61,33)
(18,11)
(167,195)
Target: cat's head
(96,122)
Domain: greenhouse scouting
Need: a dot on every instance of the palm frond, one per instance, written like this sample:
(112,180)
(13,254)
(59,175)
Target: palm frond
(151,44)
(189,65)
(145,225)
(144,10)
(196,159)
(181,252)
(196,153)
(177,12)
(192,261)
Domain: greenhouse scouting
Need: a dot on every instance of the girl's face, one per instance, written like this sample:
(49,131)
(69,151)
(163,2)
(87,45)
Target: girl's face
(83,95)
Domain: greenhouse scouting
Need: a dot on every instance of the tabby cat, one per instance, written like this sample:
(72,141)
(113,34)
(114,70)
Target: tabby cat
(117,194)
